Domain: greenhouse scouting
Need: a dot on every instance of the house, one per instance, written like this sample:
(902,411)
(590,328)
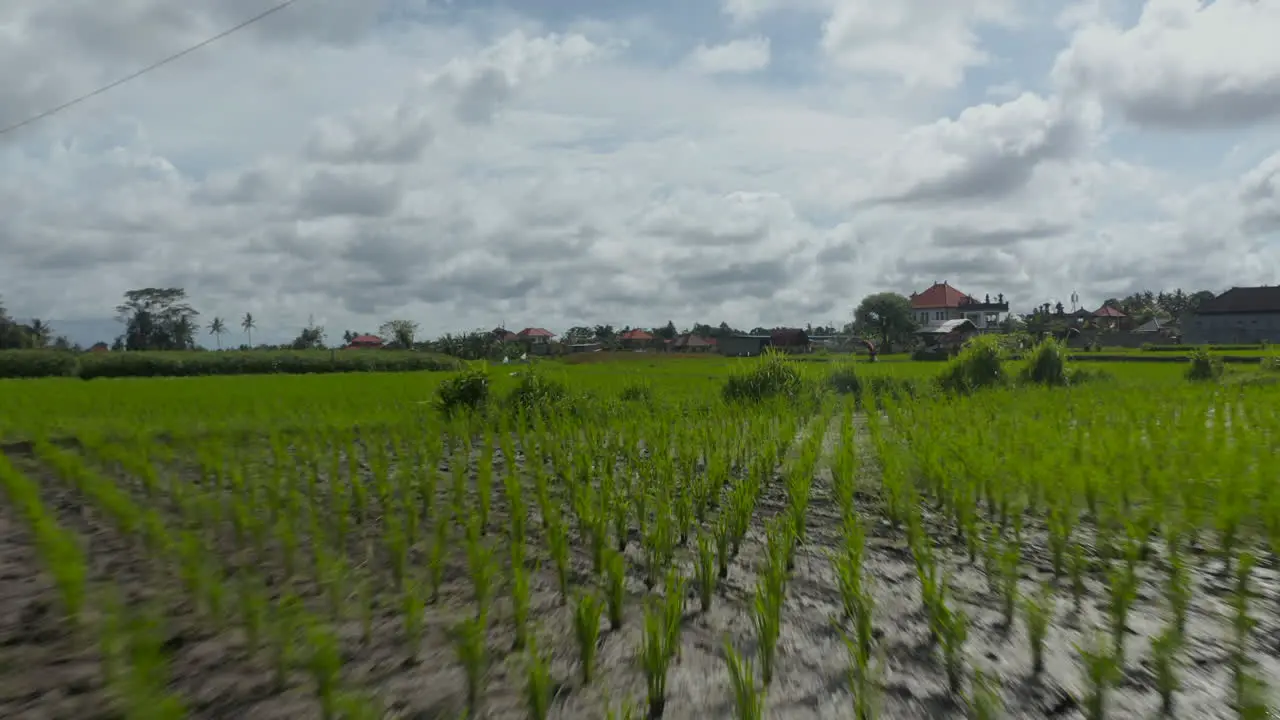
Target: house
(950,334)
(100,347)
(535,336)
(503,335)
(743,345)
(636,339)
(536,340)
(1241,315)
(790,340)
(691,343)
(364,342)
(1110,317)
(942,303)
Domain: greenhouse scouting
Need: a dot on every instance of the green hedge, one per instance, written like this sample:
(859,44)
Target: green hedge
(48,363)
(1213,348)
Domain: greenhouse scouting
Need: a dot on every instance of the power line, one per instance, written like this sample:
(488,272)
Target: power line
(159,63)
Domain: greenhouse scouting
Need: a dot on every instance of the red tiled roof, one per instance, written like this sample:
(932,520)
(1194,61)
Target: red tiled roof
(535,332)
(1108,311)
(636,334)
(366,340)
(939,295)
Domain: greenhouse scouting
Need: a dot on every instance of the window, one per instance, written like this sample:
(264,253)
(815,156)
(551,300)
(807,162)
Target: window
(940,315)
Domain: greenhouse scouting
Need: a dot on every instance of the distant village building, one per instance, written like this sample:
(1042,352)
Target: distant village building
(1241,315)
(942,303)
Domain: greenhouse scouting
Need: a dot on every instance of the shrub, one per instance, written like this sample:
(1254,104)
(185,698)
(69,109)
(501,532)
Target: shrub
(36,364)
(844,379)
(934,354)
(979,365)
(1204,366)
(466,391)
(536,393)
(637,391)
(1047,364)
(772,376)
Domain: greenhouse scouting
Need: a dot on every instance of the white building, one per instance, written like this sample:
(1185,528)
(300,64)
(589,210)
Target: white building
(941,303)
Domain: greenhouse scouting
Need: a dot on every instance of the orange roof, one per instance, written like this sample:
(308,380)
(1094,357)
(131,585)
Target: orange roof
(939,295)
(636,334)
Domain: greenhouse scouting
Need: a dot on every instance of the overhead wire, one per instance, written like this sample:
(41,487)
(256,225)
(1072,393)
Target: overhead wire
(153,66)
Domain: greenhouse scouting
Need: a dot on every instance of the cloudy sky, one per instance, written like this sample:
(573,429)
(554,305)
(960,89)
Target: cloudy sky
(559,162)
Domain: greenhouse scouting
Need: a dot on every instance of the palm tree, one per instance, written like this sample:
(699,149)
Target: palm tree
(248,325)
(40,332)
(216,328)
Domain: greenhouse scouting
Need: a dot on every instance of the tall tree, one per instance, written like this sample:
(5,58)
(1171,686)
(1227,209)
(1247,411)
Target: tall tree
(311,338)
(157,319)
(666,332)
(247,324)
(887,316)
(401,332)
(216,328)
(40,332)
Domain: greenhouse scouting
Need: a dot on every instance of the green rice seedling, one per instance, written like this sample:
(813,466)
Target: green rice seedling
(324,663)
(439,553)
(586,629)
(748,700)
(1059,539)
(558,547)
(469,644)
(724,543)
(1009,569)
(1038,610)
(1177,588)
(1122,590)
(863,679)
(1242,625)
(412,608)
(767,616)
(1101,672)
(673,604)
(1166,666)
(848,570)
(537,686)
(706,571)
(615,586)
(483,567)
(1077,566)
(983,701)
(954,633)
(655,656)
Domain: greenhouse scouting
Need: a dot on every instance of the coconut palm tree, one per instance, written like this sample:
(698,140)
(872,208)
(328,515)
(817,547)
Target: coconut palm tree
(248,325)
(40,332)
(216,328)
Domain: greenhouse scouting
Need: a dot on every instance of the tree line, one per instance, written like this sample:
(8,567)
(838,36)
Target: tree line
(164,319)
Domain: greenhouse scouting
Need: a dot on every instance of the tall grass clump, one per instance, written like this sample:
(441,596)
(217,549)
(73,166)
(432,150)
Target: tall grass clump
(844,380)
(979,365)
(774,375)
(466,391)
(1047,364)
(536,394)
(1204,366)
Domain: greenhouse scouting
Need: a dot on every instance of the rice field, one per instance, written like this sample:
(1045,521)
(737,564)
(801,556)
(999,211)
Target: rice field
(614,542)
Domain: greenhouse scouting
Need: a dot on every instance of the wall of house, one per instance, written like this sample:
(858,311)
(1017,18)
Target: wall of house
(741,347)
(937,316)
(1231,329)
(1117,339)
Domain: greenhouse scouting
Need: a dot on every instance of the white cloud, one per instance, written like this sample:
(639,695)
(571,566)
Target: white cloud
(465,168)
(920,42)
(736,56)
(1184,64)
